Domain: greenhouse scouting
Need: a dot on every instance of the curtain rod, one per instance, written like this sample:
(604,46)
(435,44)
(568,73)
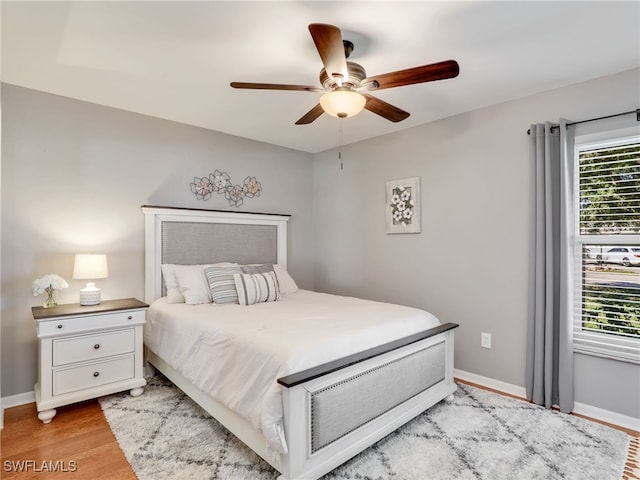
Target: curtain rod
(636,111)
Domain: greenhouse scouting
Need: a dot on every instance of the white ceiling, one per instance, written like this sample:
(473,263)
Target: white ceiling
(175,60)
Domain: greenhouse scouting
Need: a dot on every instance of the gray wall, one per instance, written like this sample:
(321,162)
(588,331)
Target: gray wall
(74,176)
(470,263)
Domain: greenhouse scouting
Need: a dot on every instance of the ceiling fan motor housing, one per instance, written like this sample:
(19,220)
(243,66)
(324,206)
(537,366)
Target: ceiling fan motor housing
(356,75)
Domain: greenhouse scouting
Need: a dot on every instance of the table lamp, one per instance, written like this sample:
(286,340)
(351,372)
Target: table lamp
(90,267)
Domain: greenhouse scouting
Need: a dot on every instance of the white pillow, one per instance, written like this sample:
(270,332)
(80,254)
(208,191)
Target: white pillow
(192,283)
(285,281)
(171,283)
(255,288)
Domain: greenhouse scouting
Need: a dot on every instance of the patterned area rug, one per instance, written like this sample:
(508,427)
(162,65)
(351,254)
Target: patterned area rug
(480,435)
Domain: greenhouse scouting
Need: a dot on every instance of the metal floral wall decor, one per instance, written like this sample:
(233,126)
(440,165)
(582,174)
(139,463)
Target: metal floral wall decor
(220,182)
(403,205)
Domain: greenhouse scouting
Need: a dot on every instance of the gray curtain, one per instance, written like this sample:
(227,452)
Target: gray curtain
(549,372)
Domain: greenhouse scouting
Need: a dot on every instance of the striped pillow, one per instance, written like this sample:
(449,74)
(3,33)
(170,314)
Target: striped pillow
(255,288)
(221,284)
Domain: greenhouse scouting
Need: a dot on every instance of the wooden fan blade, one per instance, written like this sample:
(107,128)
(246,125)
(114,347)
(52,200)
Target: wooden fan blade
(410,76)
(311,115)
(275,86)
(328,40)
(384,109)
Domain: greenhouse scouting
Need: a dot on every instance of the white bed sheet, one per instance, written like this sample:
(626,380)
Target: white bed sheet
(236,353)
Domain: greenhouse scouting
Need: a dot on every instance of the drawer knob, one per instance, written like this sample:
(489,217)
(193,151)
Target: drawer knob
(96,374)
(129,317)
(59,325)
(96,346)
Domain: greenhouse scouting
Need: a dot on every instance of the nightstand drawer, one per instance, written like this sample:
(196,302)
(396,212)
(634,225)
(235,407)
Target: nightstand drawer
(87,323)
(92,347)
(92,375)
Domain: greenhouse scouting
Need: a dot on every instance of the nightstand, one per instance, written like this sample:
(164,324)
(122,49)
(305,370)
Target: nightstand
(88,351)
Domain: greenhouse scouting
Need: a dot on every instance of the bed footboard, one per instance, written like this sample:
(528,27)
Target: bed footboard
(331,416)
(345,406)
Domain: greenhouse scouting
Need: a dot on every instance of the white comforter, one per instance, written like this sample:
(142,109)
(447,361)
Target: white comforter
(236,353)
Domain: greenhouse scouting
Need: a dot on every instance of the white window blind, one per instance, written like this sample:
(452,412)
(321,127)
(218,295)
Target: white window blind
(607,249)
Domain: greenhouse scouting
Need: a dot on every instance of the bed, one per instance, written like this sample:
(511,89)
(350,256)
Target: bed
(325,399)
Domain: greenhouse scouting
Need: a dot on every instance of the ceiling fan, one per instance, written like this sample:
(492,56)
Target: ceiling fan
(345,84)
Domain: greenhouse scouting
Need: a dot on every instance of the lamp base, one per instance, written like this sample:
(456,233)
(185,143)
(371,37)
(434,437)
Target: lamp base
(90,295)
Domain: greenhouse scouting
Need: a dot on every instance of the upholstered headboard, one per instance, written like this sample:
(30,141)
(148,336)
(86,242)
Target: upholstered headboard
(192,236)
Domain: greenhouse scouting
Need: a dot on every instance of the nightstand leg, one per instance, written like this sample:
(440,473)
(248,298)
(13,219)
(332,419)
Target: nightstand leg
(47,415)
(136,392)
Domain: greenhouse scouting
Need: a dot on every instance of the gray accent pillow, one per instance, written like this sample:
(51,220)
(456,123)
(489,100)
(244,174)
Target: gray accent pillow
(264,268)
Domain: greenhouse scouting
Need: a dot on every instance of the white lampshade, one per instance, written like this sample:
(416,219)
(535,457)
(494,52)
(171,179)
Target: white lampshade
(90,267)
(342,103)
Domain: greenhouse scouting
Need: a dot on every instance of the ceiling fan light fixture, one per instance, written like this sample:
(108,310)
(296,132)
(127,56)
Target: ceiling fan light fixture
(342,103)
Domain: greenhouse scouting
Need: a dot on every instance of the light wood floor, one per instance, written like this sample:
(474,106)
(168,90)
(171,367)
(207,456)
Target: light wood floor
(79,438)
(78,444)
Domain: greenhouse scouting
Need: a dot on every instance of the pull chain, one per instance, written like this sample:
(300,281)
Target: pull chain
(340,140)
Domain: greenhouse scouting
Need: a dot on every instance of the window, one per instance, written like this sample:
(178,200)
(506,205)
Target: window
(607,249)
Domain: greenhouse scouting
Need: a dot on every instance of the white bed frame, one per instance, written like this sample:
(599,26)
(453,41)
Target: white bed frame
(303,461)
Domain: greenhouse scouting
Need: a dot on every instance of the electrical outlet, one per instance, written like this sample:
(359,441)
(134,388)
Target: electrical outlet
(485,340)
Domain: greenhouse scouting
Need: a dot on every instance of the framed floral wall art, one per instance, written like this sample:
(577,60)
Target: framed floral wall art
(403,205)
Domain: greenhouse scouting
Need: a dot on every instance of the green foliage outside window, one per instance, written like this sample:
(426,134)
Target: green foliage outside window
(610,191)
(610,310)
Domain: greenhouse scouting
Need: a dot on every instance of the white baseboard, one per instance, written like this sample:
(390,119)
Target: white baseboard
(596,413)
(607,416)
(19,399)
(490,383)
